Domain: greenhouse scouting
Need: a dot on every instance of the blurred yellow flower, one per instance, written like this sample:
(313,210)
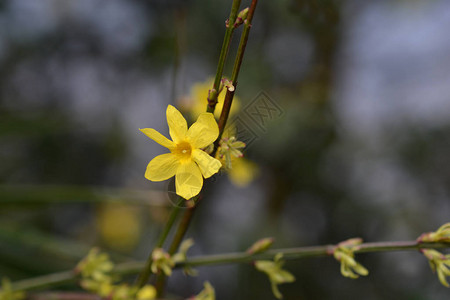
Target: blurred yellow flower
(242,172)
(186,161)
(198,99)
(7,292)
(148,292)
(119,226)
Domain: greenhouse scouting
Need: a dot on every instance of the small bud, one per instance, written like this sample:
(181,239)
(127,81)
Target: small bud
(242,16)
(439,263)
(276,274)
(212,97)
(95,265)
(207,293)
(344,253)
(230,147)
(261,245)
(228,84)
(441,235)
(162,262)
(181,255)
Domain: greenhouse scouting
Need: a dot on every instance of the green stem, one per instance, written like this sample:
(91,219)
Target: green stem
(179,235)
(46,281)
(212,97)
(22,195)
(64,296)
(230,258)
(146,272)
(234,76)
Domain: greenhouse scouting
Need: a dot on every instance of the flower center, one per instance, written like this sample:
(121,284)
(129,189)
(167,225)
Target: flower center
(183,150)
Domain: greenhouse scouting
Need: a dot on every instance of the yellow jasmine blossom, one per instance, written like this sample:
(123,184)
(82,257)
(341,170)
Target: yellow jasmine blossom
(186,160)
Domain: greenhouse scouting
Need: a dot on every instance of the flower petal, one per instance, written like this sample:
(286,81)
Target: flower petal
(162,167)
(177,124)
(208,165)
(188,180)
(203,132)
(158,137)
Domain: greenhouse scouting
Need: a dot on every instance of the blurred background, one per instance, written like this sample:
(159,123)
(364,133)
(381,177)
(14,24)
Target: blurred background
(358,146)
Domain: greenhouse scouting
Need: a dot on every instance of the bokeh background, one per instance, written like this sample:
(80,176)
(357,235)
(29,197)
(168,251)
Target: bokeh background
(361,148)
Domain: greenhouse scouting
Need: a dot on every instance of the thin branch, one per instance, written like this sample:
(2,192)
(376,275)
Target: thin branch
(234,76)
(212,97)
(46,281)
(129,268)
(177,239)
(63,296)
(20,195)
(146,271)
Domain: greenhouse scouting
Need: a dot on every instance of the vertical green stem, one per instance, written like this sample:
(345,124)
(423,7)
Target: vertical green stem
(179,235)
(234,76)
(146,272)
(212,97)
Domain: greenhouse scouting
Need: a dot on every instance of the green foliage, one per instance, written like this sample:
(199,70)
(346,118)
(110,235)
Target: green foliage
(344,253)
(276,274)
(439,263)
(207,293)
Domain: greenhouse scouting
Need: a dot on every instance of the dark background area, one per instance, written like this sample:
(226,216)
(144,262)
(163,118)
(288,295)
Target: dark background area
(360,147)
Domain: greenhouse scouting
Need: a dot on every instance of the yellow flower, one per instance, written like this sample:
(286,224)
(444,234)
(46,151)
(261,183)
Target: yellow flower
(242,172)
(7,292)
(186,161)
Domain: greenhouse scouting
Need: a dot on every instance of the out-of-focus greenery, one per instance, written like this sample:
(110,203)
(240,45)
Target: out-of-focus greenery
(350,155)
